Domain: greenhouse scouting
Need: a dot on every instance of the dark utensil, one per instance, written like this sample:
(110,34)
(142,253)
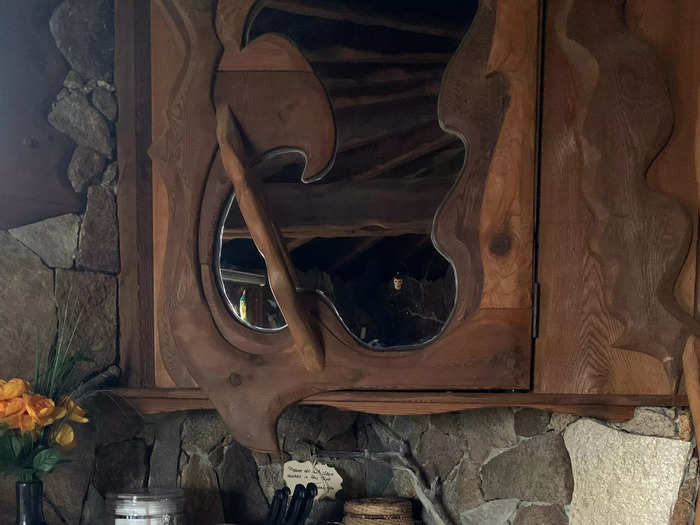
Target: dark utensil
(295,505)
(274,508)
(310,496)
(278,507)
(283,506)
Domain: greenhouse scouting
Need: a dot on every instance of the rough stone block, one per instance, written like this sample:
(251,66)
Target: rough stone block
(54,240)
(496,512)
(649,422)
(84,32)
(85,165)
(27,307)
(541,515)
(538,469)
(635,478)
(530,422)
(98,245)
(87,304)
(73,115)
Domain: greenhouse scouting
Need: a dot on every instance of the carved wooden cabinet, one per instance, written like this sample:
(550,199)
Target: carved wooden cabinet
(528,173)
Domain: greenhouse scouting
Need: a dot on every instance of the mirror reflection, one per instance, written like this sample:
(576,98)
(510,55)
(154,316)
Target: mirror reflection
(361,236)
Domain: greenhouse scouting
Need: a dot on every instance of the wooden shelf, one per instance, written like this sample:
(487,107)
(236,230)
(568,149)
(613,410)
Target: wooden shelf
(610,407)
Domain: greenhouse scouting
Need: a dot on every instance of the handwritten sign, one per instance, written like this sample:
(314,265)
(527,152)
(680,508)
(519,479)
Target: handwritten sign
(325,477)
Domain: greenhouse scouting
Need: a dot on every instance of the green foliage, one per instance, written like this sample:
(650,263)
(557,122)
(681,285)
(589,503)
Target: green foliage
(46,460)
(31,455)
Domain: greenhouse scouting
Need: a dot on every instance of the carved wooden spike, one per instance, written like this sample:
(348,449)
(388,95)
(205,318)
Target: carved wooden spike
(280,271)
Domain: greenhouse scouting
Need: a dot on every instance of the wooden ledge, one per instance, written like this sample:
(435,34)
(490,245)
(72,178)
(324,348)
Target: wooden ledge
(613,407)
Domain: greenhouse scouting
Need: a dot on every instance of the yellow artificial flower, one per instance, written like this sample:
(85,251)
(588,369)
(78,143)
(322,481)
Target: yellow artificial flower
(26,423)
(40,408)
(75,413)
(13,388)
(65,437)
(10,407)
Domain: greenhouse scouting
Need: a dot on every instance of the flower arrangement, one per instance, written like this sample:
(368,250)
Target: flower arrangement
(35,419)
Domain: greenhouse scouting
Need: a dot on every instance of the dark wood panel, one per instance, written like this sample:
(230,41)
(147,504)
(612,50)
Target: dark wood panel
(33,181)
(612,247)
(349,209)
(610,407)
(134,197)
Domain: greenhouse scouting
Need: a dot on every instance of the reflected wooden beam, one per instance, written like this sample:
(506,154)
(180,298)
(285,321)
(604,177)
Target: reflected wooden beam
(344,54)
(360,16)
(377,158)
(350,101)
(361,126)
(374,208)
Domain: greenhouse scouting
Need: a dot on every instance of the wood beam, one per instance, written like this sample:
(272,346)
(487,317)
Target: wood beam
(613,407)
(365,17)
(349,209)
(376,158)
(134,196)
(361,126)
(342,54)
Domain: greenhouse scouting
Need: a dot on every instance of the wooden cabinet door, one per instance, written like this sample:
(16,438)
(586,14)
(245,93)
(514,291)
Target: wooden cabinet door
(619,196)
(486,100)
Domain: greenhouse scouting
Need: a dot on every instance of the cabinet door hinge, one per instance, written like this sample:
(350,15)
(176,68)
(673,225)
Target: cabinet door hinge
(535,310)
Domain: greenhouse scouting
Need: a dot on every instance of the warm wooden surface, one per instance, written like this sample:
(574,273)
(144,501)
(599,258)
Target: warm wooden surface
(482,349)
(612,244)
(33,181)
(164,43)
(134,197)
(610,407)
(263,229)
(348,208)
(507,213)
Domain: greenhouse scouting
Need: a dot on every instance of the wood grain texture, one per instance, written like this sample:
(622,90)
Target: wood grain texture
(250,381)
(263,229)
(506,227)
(349,209)
(182,156)
(134,196)
(622,244)
(471,106)
(610,407)
(673,29)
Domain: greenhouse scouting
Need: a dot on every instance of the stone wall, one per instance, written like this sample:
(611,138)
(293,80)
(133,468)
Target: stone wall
(486,467)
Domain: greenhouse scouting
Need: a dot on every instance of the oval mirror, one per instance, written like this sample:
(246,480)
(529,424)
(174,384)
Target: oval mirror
(361,236)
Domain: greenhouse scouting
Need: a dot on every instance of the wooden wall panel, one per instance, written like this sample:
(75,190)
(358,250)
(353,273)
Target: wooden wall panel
(616,268)
(167,58)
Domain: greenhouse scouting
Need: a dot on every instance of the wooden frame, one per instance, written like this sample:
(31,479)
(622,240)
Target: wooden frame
(251,377)
(139,356)
(134,201)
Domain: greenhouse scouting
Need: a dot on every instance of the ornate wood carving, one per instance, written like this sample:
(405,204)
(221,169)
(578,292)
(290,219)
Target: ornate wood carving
(280,271)
(251,376)
(612,246)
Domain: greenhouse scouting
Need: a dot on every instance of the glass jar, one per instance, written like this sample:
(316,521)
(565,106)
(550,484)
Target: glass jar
(157,506)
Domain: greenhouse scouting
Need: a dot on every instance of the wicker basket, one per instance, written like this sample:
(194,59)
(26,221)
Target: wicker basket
(378,511)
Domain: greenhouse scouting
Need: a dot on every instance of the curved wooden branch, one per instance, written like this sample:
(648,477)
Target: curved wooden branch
(267,238)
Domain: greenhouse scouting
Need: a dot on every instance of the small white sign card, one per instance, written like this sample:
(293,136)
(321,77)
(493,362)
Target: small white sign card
(325,477)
